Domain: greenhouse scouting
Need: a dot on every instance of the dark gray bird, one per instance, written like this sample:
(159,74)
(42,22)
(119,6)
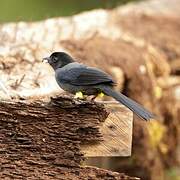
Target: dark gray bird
(80,79)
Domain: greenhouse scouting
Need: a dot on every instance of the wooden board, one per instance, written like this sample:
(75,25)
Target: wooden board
(116,131)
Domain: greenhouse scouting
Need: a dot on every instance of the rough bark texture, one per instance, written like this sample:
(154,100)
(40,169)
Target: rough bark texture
(42,140)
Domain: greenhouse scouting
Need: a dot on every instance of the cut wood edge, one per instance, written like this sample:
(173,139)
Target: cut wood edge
(116,132)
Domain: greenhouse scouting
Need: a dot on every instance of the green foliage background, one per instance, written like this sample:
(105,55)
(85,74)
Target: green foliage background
(31,10)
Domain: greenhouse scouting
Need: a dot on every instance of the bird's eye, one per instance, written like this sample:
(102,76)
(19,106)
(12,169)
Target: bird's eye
(55,59)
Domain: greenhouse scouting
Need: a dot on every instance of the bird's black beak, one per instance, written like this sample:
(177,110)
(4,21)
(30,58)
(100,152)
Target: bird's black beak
(46,59)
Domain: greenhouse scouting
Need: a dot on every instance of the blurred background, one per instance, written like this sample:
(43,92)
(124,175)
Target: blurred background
(32,10)
(138,40)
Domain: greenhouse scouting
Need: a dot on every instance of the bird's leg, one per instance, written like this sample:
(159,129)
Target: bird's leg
(79,95)
(94,97)
(101,94)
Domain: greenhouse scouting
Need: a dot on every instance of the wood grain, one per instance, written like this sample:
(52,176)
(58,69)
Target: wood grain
(116,132)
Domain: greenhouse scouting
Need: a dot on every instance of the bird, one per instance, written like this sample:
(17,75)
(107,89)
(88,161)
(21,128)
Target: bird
(80,79)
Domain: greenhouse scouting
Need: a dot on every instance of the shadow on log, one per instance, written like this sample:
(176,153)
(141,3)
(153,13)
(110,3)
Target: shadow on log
(42,140)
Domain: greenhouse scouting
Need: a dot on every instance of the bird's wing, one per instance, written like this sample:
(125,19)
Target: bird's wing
(84,75)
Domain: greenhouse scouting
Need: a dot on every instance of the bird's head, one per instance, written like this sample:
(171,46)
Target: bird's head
(58,59)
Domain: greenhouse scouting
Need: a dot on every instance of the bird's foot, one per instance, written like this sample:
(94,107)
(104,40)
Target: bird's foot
(79,95)
(101,94)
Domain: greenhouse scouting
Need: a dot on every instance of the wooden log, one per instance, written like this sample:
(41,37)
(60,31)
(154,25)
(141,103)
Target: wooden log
(43,140)
(116,132)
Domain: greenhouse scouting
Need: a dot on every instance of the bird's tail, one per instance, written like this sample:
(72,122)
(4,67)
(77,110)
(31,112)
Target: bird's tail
(132,105)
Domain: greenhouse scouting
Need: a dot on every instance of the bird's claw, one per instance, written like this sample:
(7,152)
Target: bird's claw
(101,94)
(79,95)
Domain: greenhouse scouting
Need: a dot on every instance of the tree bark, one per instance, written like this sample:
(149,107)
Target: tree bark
(42,140)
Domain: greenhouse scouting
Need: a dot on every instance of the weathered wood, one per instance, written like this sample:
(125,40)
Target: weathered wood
(116,132)
(22,48)
(42,140)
